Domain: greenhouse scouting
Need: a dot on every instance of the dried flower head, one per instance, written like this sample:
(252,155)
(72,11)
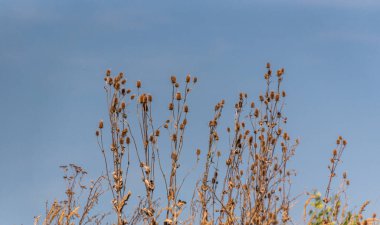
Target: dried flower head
(173,79)
(178,96)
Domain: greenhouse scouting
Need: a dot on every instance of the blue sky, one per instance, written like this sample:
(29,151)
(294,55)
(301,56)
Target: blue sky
(53,55)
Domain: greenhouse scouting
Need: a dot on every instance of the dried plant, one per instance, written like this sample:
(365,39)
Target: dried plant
(255,183)
(143,139)
(247,183)
(333,208)
(70,210)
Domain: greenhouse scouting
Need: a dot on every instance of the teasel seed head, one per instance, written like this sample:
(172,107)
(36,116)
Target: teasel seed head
(277,98)
(173,79)
(138,84)
(272,95)
(186,108)
(101,124)
(124,132)
(97,133)
(256,113)
(198,152)
(171,106)
(268,65)
(176,85)
(188,78)
(178,96)
(195,79)
(108,73)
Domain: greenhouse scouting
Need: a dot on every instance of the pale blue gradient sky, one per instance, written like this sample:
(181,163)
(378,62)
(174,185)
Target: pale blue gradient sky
(53,55)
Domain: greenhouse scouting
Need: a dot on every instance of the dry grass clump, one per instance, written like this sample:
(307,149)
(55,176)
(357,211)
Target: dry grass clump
(249,183)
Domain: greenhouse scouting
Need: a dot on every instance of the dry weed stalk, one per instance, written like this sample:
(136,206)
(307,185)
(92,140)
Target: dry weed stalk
(333,209)
(255,186)
(70,211)
(144,142)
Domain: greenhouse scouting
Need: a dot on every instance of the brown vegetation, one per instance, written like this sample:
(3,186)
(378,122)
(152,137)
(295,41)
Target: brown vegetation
(248,184)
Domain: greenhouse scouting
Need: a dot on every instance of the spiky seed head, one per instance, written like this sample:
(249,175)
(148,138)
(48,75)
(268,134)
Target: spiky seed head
(171,106)
(173,79)
(178,96)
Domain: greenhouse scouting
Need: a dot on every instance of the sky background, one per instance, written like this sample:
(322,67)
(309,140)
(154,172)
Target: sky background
(53,55)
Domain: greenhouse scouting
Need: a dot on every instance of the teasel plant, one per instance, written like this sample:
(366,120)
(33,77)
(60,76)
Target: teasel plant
(176,127)
(254,186)
(141,139)
(117,156)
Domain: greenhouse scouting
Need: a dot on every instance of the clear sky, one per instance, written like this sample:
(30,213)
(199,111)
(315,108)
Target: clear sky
(53,55)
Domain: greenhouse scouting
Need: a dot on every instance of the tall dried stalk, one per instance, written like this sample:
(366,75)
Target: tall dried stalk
(256,181)
(144,142)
